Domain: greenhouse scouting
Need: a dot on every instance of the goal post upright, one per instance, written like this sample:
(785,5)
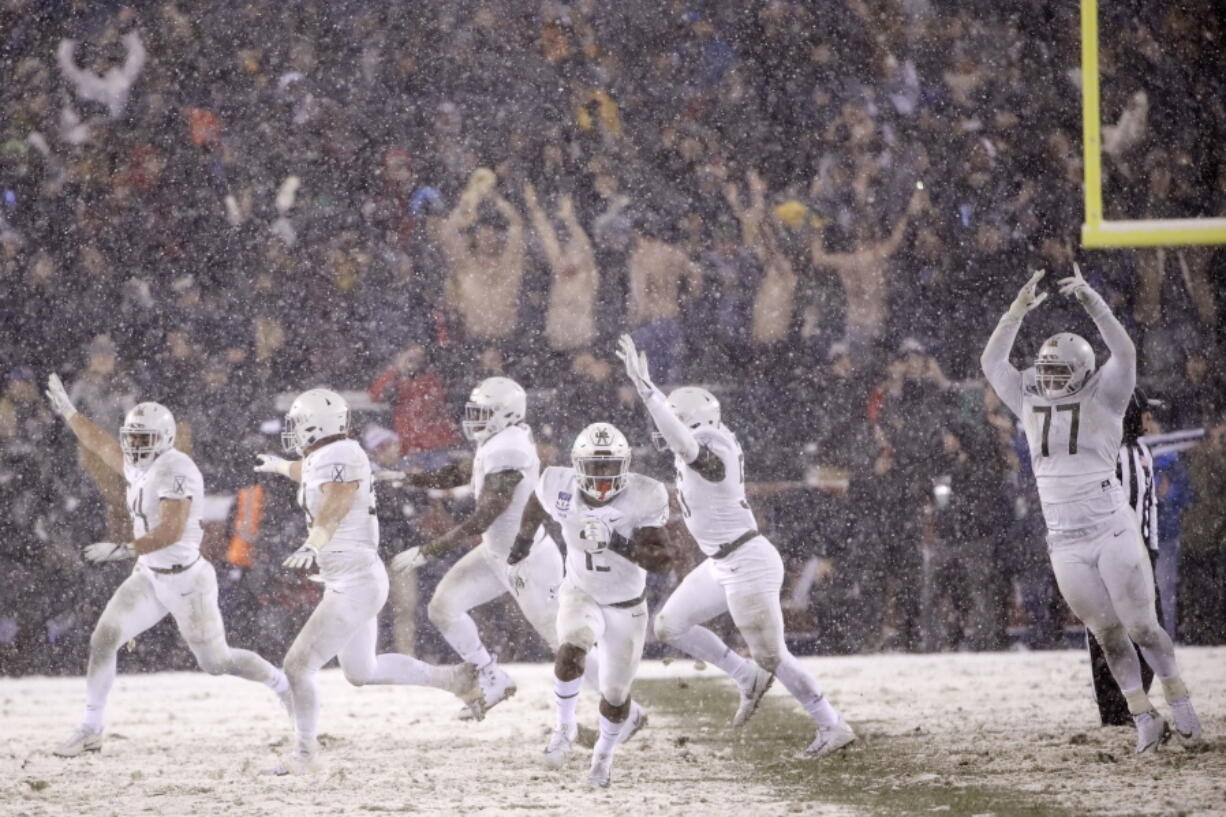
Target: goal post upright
(1096,231)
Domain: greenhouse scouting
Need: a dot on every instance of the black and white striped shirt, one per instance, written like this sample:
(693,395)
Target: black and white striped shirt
(1134,468)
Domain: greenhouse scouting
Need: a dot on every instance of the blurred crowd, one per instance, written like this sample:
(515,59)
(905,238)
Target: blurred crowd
(817,210)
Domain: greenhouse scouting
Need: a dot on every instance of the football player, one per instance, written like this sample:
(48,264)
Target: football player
(503,473)
(612,525)
(1073,414)
(165,494)
(742,573)
(336,491)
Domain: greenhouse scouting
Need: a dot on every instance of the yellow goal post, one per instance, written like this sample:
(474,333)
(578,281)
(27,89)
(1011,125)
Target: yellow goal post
(1097,232)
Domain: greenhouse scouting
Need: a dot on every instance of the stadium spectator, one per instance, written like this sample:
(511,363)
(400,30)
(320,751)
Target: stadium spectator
(419,407)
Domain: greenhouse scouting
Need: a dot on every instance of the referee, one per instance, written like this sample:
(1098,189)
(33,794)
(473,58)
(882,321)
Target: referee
(1134,468)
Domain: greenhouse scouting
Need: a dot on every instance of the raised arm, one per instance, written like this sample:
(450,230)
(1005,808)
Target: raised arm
(679,438)
(578,236)
(513,249)
(543,229)
(1005,379)
(91,436)
(1119,373)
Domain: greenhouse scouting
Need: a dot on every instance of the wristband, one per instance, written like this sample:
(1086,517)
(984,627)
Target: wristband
(317,538)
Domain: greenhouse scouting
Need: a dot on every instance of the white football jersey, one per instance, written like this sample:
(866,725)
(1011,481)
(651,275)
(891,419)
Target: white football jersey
(172,475)
(715,513)
(356,540)
(511,449)
(1074,443)
(605,576)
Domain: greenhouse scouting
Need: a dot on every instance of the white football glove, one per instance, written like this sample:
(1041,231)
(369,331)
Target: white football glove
(109,551)
(636,366)
(304,557)
(409,560)
(595,535)
(1076,286)
(301,559)
(1028,297)
(271,464)
(58,395)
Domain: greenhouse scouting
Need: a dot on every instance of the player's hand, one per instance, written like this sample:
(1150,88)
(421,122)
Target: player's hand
(1028,297)
(409,560)
(636,366)
(301,559)
(109,552)
(595,534)
(271,464)
(1076,286)
(61,403)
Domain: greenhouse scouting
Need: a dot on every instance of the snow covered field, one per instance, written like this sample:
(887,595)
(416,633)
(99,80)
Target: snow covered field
(1001,734)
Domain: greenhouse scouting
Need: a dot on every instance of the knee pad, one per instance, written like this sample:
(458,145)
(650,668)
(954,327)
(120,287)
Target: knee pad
(665,629)
(105,638)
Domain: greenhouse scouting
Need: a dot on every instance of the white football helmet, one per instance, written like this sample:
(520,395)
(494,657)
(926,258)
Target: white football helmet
(601,457)
(1063,365)
(313,416)
(147,430)
(496,403)
(694,407)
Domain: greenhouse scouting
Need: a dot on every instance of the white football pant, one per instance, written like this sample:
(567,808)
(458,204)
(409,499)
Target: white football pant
(144,599)
(618,633)
(1105,576)
(745,584)
(345,625)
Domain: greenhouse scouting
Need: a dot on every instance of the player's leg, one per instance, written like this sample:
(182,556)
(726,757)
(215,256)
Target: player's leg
(133,609)
(191,598)
(579,625)
(621,649)
(339,614)
(1127,574)
(1075,565)
(699,598)
(753,600)
(471,582)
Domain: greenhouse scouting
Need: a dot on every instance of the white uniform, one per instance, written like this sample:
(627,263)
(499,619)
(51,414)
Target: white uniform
(345,622)
(744,583)
(480,576)
(174,580)
(602,594)
(1093,538)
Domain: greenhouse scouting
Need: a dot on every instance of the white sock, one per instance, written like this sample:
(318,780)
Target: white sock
(93,718)
(735,666)
(566,699)
(608,736)
(98,679)
(804,688)
(479,657)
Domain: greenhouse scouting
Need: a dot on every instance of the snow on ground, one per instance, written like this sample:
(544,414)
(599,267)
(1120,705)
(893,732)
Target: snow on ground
(1021,724)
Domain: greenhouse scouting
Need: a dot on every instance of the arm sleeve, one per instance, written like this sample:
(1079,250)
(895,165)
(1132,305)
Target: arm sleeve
(679,438)
(1119,373)
(175,482)
(1004,378)
(348,464)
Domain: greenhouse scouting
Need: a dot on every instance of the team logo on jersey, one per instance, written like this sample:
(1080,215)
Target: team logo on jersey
(177,486)
(563,503)
(338,473)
